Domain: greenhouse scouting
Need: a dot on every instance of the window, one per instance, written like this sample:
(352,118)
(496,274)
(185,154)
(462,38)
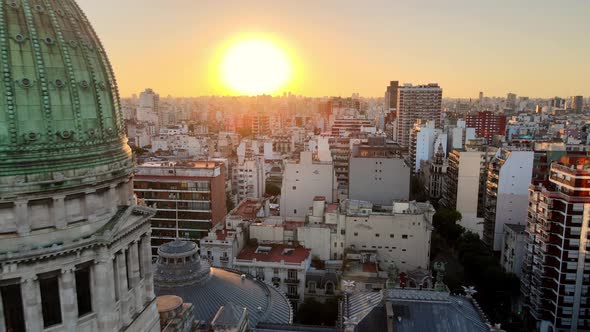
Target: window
(356,234)
(50,304)
(376,234)
(12,302)
(294,188)
(294,211)
(116,279)
(292,274)
(391,236)
(404,236)
(83,291)
(292,290)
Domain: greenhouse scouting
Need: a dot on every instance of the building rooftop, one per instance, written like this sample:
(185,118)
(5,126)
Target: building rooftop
(248,208)
(275,253)
(414,310)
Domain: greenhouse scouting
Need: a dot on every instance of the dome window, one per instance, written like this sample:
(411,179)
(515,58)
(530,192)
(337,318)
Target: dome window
(13,4)
(84,84)
(39,8)
(19,38)
(26,83)
(59,83)
(49,41)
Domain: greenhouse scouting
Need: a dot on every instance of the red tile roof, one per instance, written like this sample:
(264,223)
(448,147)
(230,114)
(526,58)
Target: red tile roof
(276,254)
(247,209)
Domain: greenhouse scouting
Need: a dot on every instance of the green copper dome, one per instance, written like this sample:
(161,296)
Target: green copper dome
(60,117)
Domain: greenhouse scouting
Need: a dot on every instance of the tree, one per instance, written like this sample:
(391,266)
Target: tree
(445,222)
(272,189)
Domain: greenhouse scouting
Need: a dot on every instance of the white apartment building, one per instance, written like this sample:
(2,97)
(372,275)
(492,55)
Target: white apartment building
(507,193)
(424,140)
(304,180)
(464,187)
(398,234)
(249,178)
(283,266)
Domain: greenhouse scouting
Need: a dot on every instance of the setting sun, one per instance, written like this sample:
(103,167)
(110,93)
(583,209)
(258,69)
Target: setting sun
(255,66)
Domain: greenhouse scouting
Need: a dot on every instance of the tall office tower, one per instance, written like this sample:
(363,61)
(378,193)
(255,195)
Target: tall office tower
(260,123)
(511,101)
(557,102)
(422,102)
(74,248)
(487,124)
(555,279)
(509,176)
(149,108)
(391,96)
(189,198)
(480,97)
(578,104)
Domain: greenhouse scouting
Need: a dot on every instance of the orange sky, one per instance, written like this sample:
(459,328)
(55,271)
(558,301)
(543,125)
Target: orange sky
(530,47)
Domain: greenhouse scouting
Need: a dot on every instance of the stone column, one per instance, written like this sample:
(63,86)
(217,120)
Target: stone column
(32,304)
(89,206)
(68,299)
(103,292)
(123,288)
(146,265)
(134,275)
(59,212)
(113,201)
(23,221)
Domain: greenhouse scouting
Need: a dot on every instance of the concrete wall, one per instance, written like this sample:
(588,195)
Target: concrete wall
(379,180)
(302,182)
(265,233)
(317,239)
(401,238)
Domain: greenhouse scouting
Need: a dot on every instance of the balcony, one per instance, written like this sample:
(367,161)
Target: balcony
(224,259)
(293,296)
(291,281)
(276,279)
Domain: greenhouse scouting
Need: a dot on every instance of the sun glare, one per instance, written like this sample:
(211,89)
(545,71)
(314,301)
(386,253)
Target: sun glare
(255,66)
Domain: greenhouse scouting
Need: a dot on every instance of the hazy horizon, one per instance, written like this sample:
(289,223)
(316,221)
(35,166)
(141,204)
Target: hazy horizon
(533,48)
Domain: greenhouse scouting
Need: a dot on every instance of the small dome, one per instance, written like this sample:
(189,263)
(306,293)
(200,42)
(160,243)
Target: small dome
(179,247)
(181,272)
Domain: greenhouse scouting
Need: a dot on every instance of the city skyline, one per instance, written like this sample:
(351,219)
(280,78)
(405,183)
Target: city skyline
(529,48)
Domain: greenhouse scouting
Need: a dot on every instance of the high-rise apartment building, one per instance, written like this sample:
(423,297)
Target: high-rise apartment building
(511,101)
(149,108)
(487,124)
(508,179)
(422,102)
(391,96)
(556,272)
(577,104)
(74,248)
(189,198)
(464,187)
